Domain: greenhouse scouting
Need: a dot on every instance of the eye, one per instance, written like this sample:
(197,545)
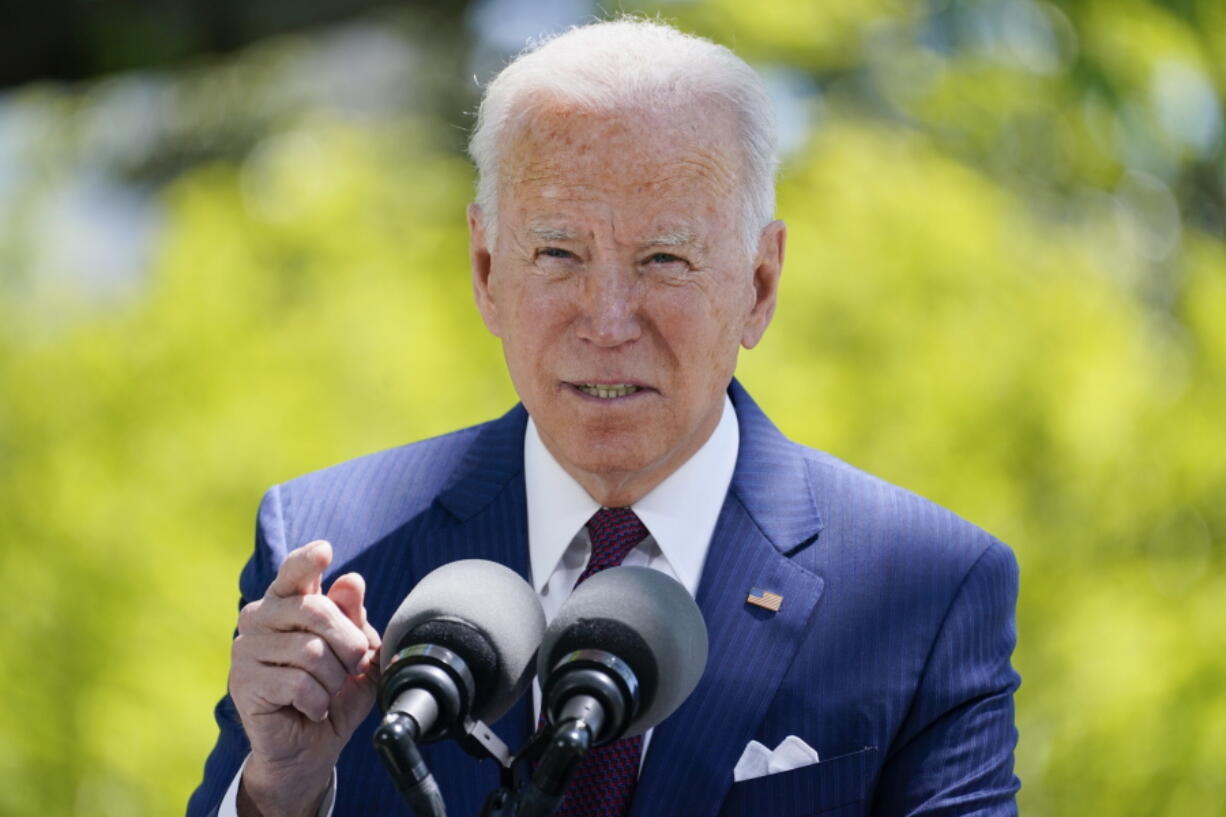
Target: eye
(665,258)
(555,252)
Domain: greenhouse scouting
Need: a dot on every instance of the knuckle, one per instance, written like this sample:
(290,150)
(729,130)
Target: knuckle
(303,685)
(309,696)
(319,616)
(238,685)
(314,611)
(246,652)
(353,651)
(246,614)
(314,649)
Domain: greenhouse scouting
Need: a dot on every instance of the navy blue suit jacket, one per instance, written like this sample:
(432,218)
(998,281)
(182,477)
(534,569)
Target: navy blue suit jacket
(890,654)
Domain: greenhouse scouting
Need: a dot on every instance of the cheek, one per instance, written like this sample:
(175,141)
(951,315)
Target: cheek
(712,312)
(534,316)
(702,334)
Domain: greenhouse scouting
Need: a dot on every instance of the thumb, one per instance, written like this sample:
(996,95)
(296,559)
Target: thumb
(302,569)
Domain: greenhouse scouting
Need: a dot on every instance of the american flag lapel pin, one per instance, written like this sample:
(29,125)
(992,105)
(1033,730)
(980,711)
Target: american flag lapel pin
(765,599)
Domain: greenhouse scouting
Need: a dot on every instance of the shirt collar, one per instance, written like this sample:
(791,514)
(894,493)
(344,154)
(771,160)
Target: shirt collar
(680,512)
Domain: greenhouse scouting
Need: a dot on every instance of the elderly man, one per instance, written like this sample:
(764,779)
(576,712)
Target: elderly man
(622,249)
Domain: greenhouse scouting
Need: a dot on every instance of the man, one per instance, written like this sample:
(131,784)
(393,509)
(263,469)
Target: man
(623,250)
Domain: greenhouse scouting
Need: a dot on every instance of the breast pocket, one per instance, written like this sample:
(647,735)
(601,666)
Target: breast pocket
(832,788)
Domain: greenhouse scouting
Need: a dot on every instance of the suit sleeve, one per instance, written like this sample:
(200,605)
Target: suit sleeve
(232,747)
(954,752)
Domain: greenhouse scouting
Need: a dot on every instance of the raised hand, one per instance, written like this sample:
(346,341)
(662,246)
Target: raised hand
(303,675)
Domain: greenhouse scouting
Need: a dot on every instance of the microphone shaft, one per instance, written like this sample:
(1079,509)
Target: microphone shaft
(579,721)
(418,704)
(586,710)
(395,741)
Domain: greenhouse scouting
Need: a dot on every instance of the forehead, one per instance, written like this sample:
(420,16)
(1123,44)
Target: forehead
(679,160)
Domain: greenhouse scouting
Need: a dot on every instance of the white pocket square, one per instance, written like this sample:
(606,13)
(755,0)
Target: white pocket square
(758,761)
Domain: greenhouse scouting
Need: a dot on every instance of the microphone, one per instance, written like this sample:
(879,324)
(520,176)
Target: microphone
(626,649)
(639,629)
(458,652)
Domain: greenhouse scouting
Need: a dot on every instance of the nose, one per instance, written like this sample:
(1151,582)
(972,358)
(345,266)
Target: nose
(609,309)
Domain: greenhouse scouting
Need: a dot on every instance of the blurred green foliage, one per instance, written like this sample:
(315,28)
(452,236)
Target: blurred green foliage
(1005,289)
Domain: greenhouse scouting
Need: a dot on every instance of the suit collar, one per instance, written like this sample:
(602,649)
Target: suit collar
(494,458)
(772,479)
(770,474)
(680,512)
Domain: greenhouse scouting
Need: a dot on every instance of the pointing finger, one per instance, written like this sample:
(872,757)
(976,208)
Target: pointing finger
(373,671)
(302,570)
(348,593)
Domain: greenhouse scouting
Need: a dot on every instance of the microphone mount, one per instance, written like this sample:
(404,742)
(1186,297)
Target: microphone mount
(588,682)
(431,684)
(427,694)
(589,699)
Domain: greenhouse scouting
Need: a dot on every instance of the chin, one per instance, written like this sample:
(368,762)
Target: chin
(609,454)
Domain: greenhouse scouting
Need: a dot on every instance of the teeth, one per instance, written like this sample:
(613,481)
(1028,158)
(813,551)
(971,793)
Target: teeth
(608,392)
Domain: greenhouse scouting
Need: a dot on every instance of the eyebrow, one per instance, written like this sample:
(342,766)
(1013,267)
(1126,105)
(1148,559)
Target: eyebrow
(542,232)
(672,238)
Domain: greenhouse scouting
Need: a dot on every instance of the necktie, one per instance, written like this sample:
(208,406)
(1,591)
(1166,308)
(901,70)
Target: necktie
(604,782)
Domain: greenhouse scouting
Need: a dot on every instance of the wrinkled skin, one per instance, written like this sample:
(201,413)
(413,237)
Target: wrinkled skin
(303,675)
(619,259)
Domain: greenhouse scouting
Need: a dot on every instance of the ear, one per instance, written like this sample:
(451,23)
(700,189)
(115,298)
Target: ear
(768,266)
(480,258)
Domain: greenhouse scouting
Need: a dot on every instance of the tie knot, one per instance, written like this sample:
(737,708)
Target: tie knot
(614,532)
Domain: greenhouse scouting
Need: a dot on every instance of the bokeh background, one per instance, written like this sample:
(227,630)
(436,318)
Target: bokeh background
(232,249)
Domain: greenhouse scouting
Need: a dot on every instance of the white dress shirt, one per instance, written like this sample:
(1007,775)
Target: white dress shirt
(679,514)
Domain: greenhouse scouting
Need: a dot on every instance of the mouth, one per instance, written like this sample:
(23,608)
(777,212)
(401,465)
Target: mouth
(607,391)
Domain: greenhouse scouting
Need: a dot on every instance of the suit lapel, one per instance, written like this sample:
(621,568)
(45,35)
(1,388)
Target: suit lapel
(768,515)
(486,512)
(484,516)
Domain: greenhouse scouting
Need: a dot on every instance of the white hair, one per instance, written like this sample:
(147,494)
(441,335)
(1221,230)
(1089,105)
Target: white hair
(625,64)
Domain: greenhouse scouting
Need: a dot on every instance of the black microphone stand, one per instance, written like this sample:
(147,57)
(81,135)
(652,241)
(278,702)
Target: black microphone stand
(560,749)
(396,742)
(591,696)
(396,739)
(426,692)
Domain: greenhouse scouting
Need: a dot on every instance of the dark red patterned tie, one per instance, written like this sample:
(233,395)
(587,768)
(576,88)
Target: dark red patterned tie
(604,783)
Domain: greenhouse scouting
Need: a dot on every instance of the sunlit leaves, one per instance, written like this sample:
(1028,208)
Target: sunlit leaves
(1003,289)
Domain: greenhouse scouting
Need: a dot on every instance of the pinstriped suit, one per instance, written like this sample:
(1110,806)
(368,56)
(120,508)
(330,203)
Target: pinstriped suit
(890,654)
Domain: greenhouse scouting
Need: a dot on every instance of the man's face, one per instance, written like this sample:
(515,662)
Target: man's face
(620,285)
